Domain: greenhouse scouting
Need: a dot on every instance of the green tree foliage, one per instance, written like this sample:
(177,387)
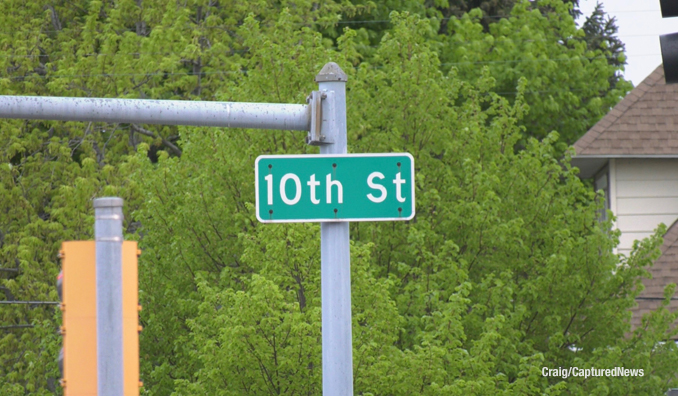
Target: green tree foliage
(52,170)
(601,33)
(548,51)
(535,40)
(504,270)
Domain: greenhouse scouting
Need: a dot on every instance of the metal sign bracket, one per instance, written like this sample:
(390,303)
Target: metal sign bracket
(315,136)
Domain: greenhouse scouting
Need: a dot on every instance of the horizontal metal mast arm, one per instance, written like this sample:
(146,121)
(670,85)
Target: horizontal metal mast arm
(295,117)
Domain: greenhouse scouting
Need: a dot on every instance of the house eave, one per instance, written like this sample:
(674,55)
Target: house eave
(589,165)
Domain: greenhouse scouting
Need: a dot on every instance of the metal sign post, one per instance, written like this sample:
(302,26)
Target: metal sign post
(335,257)
(108,237)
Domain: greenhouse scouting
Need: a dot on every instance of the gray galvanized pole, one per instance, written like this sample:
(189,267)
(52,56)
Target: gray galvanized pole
(294,117)
(335,266)
(108,236)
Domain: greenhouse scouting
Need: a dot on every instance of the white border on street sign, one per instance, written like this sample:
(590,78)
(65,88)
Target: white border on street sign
(332,220)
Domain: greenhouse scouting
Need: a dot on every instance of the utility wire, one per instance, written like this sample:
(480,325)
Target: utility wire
(368,21)
(30,302)
(373,67)
(54,76)
(52,57)
(656,298)
(365,21)
(25,326)
(120,75)
(10,56)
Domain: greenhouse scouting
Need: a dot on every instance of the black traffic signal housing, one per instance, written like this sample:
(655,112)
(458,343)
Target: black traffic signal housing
(669,43)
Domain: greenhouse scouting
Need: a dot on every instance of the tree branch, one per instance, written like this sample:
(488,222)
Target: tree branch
(176,150)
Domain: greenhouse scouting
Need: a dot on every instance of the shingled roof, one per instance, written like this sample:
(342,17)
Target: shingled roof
(664,271)
(644,124)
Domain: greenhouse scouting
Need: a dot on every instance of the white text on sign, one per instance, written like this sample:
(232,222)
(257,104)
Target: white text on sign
(329,183)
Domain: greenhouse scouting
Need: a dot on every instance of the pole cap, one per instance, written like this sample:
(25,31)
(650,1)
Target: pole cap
(331,72)
(108,202)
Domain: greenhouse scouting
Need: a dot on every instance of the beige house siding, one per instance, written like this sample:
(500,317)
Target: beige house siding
(636,143)
(644,193)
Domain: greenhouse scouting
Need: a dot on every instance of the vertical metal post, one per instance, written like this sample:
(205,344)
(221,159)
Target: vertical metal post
(335,266)
(108,236)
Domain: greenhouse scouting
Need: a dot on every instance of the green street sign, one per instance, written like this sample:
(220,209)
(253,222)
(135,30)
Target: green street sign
(349,187)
